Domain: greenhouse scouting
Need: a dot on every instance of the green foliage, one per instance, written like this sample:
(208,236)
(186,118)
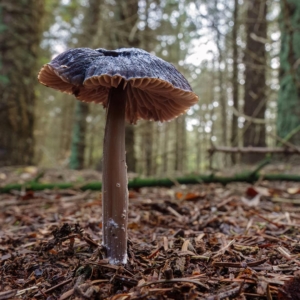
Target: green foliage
(4,80)
(289,94)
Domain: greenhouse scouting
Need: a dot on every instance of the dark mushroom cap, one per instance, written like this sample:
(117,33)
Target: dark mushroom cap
(155,89)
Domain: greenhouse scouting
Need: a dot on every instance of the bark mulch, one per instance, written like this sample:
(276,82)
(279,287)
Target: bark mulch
(189,242)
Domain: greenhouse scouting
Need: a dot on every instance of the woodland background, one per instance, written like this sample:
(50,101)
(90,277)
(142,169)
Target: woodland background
(242,57)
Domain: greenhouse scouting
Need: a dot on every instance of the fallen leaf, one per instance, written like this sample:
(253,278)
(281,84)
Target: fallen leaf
(293,190)
(251,191)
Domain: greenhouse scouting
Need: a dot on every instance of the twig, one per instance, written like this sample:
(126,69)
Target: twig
(70,292)
(223,249)
(7,294)
(229,293)
(90,241)
(239,265)
(284,200)
(284,142)
(58,285)
(21,292)
(175,213)
(291,149)
(278,225)
(200,257)
(176,280)
(251,119)
(293,132)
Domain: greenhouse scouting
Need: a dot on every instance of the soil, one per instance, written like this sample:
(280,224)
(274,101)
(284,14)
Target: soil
(204,241)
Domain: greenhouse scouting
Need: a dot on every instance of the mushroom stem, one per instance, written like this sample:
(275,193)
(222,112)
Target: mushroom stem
(114,183)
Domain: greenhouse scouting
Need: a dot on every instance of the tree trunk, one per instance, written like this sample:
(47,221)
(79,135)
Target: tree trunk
(148,146)
(129,146)
(180,143)
(183,143)
(156,156)
(78,144)
(235,84)
(255,78)
(222,94)
(86,39)
(20,33)
(78,136)
(165,153)
(289,94)
(177,145)
(149,126)
(66,128)
(126,19)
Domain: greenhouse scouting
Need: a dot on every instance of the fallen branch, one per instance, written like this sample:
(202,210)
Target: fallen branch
(152,182)
(278,150)
(251,119)
(284,142)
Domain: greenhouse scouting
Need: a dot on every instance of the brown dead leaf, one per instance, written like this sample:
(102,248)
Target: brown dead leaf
(189,196)
(290,290)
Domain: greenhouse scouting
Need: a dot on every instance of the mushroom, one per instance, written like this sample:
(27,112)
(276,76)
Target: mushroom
(131,84)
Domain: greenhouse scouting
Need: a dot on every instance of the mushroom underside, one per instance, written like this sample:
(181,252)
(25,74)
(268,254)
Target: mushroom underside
(148,98)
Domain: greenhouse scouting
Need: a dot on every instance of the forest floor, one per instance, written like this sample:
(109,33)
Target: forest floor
(204,241)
